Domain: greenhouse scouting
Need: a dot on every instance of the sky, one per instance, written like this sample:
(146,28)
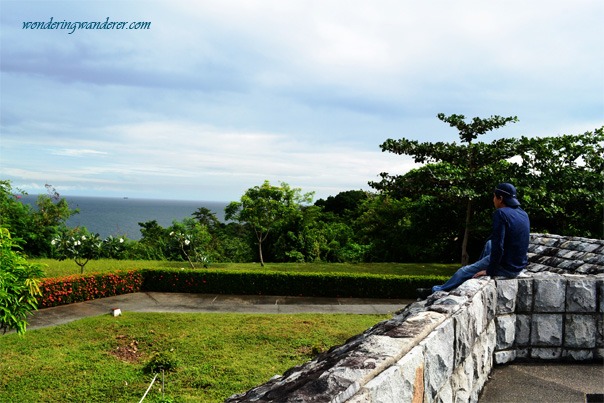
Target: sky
(216,97)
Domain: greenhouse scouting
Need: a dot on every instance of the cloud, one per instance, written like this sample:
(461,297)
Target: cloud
(70,152)
(218,96)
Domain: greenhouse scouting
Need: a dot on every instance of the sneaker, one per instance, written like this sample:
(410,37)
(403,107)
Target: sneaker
(423,293)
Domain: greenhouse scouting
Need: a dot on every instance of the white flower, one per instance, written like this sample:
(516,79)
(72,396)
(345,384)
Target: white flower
(83,237)
(121,240)
(187,242)
(77,243)
(53,242)
(172,233)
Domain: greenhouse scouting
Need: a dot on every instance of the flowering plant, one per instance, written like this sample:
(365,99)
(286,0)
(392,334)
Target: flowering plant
(77,244)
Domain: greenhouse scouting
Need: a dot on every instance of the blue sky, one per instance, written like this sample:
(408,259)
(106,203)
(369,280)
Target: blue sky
(218,96)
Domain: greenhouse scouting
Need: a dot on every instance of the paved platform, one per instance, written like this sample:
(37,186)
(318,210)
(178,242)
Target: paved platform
(545,382)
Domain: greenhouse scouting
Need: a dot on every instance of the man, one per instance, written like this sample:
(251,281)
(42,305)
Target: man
(505,253)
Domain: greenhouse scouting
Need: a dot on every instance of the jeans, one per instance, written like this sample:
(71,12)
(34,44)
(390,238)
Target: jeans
(467,272)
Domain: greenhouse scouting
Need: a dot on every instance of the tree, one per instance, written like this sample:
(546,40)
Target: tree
(78,244)
(19,285)
(563,183)
(36,227)
(461,171)
(266,206)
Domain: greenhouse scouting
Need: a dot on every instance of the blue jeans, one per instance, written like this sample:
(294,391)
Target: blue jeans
(467,272)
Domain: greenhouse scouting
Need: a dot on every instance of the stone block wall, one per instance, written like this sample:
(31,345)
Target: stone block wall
(555,311)
(442,349)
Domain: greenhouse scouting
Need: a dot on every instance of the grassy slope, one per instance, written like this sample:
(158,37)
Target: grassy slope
(218,354)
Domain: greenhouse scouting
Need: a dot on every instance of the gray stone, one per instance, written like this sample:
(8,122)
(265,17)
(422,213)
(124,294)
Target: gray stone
(438,353)
(578,355)
(464,335)
(523,330)
(506,331)
(600,282)
(546,353)
(503,357)
(550,293)
(462,381)
(600,330)
(507,291)
(546,330)
(386,387)
(580,331)
(445,394)
(412,370)
(580,294)
(524,297)
(490,300)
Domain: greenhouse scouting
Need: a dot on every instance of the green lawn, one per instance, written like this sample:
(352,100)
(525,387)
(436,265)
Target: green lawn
(55,268)
(101,359)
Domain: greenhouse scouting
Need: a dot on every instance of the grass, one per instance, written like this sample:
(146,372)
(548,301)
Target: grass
(55,268)
(102,359)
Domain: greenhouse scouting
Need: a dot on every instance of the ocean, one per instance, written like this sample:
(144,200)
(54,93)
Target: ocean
(120,216)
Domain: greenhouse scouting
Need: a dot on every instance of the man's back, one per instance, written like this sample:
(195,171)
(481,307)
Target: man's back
(510,238)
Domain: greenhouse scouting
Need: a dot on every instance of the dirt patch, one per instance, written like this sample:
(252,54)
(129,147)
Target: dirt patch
(127,349)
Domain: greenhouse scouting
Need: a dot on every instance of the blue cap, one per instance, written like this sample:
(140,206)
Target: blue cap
(508,192)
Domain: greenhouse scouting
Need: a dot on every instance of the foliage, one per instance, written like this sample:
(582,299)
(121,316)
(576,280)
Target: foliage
(70,289)
(192,239)
(78,244)
(286,283)
(463,170)
(161,361)
(19,285)
(36,227)
(562,179)
(265,207)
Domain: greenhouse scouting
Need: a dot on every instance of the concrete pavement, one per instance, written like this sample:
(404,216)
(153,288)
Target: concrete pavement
(184,302)
(546,382)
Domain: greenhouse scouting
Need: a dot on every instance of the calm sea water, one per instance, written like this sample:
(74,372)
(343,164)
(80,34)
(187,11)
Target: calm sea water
(120,216)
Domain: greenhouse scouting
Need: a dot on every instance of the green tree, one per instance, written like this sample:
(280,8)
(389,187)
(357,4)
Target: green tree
(78,244)
(36,227)
(192,239)
(265,207)
(562,178)
(19,282)
(458,172)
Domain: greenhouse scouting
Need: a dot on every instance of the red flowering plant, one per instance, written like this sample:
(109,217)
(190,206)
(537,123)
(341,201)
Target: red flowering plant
(67,290)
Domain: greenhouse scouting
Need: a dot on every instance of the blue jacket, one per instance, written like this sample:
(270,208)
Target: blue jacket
(509,241)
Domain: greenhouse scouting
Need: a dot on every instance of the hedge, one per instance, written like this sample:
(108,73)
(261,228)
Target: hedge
(291,283)
(66,290)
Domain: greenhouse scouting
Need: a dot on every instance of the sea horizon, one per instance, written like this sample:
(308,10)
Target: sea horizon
(119,216)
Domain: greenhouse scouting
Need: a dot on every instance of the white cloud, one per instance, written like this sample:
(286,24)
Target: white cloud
(218,96)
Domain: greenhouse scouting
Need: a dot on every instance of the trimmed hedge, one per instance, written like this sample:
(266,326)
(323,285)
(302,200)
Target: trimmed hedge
(280,283)
(67,290)
(71,289)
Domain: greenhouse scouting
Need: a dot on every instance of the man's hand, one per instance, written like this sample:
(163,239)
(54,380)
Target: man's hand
(480,274)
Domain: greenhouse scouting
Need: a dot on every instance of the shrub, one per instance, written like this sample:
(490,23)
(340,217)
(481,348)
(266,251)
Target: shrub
(67,290)
(18,285)
(279,283)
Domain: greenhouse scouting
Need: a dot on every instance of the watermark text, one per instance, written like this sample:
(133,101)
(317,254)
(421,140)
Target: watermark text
(72,26)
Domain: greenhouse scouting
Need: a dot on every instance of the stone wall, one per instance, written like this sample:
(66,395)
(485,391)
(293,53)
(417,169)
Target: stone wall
(443,348)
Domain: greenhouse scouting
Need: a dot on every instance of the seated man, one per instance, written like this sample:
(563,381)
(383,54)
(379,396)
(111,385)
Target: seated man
(505,253)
